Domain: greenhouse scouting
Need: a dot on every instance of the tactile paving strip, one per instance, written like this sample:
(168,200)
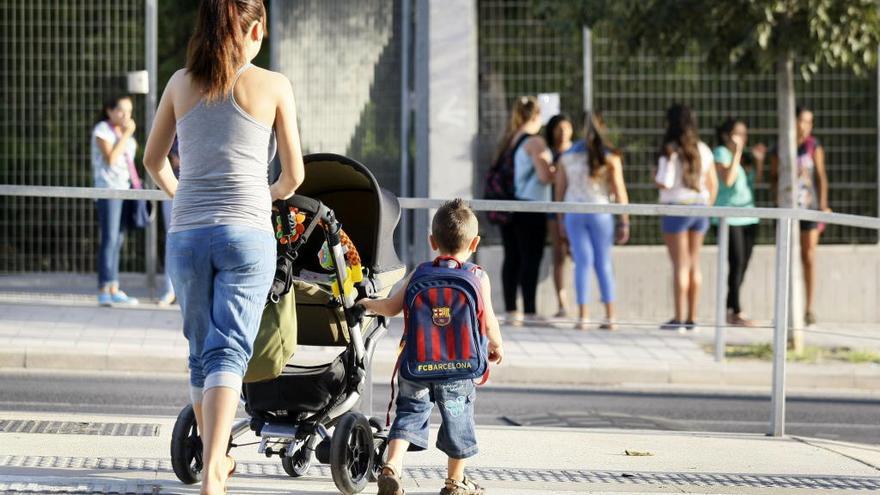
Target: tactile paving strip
(90,488)
(244,468)
(79,428)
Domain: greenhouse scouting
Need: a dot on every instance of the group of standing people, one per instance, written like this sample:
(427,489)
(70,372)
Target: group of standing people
(688,172)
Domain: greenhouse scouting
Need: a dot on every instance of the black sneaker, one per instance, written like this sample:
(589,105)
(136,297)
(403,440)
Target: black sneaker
(674,325)
(690,325)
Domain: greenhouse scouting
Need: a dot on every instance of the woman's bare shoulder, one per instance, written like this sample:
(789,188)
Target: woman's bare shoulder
(268,81)
(536,143)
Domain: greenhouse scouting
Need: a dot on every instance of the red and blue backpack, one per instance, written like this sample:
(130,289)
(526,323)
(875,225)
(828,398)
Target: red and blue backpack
(444,336)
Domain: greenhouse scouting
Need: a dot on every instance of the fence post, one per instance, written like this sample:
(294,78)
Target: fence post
(405,97)
(780,324)
(588,69)
(721,289)
(152,235)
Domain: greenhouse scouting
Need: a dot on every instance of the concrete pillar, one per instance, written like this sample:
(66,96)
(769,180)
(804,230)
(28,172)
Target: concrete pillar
(446,105)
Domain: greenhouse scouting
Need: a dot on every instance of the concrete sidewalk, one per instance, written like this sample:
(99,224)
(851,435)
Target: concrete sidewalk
(76,334)
(129,455)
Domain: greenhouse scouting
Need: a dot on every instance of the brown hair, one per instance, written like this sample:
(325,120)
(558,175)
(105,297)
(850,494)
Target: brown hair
(598,146)
(682,137)
(215,48)
(524,109)
(454,226)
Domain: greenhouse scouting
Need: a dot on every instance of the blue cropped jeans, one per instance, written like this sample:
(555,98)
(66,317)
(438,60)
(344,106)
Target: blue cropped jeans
(221,276)
(591,237)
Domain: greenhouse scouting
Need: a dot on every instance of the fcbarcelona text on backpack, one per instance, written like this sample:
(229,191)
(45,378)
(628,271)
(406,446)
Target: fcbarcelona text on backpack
(450,336)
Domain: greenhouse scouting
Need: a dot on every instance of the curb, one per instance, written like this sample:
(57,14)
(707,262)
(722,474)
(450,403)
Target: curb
(744,374)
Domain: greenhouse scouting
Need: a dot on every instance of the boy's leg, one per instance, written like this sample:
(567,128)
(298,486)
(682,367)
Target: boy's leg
(455,468)
(396,450)
(457,437)
(410,429)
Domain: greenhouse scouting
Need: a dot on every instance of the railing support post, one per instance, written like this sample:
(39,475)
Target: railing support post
(780,325)
(721,289)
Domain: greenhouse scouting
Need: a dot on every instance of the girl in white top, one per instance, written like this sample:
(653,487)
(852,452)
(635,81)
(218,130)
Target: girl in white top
(685,176)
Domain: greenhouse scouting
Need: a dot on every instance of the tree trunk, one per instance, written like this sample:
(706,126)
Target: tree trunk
(787,190)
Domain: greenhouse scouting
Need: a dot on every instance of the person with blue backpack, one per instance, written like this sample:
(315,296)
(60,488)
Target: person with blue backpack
(450,336)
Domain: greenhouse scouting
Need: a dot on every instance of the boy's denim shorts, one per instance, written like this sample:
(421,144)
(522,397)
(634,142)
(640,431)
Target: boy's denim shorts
(415,401)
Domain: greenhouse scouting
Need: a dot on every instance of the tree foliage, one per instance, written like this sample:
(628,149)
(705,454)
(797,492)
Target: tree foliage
(746,35)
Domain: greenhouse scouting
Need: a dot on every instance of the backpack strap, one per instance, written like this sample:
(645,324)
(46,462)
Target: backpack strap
(393,376)
(519,142)
(810,145)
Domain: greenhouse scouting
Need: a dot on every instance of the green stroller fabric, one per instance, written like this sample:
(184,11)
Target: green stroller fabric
(276,340)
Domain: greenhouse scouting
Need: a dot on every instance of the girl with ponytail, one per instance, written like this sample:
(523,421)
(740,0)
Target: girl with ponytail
(591,171)
(524,236)
(230,118)
(685,176)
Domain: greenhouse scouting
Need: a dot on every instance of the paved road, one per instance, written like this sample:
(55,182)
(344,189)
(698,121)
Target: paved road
(851,419)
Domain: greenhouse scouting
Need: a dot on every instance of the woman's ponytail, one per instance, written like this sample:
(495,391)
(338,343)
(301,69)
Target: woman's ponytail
(215,49)
(524,109)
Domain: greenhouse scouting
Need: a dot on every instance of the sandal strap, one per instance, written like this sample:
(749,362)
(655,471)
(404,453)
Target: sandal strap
(392,469)
(465,484)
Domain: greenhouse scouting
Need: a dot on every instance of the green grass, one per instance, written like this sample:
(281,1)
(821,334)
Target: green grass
(810,355)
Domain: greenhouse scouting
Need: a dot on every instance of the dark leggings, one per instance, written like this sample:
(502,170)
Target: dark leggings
(523,240)
(741,242)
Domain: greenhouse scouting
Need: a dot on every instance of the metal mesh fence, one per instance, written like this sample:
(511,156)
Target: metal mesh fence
(58,61)
(634,94)
(343,58)
(520,54)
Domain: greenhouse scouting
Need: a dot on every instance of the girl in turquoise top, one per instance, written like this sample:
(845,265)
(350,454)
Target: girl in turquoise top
(737,172)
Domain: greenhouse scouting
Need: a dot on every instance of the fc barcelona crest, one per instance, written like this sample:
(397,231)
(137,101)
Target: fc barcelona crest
(441,315)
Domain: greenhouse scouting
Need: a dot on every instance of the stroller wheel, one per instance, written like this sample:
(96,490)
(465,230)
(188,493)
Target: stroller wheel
(298,464)
(186,447)
(380,455)
(351,453)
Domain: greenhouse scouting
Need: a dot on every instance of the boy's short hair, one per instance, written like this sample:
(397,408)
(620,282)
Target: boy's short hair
(454,226)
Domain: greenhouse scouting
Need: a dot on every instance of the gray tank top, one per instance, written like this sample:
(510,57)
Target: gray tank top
(224,167)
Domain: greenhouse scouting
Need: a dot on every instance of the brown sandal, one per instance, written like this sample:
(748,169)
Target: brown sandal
(463,487)
(390,484)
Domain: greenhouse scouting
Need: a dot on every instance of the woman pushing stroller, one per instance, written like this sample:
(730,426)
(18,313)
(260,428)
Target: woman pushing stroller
(227,115)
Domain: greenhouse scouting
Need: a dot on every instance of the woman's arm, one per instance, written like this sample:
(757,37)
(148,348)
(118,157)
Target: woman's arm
(110,151)
(541,157)
(560,185)
(289,148)
(822,179)
(774,178)
(618,186)
(160,140)
(728,172)
(712,184)
(759,154)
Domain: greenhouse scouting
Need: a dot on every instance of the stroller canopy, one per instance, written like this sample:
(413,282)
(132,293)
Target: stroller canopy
(367,212)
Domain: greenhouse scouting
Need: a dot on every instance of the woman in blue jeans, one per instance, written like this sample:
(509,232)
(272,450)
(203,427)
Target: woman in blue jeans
(227,115)
(112,148)
(591,171)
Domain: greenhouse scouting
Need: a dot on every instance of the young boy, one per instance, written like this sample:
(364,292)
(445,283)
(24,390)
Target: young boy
(454,237)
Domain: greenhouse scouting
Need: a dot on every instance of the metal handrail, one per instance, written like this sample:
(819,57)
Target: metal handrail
(496,205)
(784,216)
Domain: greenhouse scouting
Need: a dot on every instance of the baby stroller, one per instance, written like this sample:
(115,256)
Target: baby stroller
(294,414)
